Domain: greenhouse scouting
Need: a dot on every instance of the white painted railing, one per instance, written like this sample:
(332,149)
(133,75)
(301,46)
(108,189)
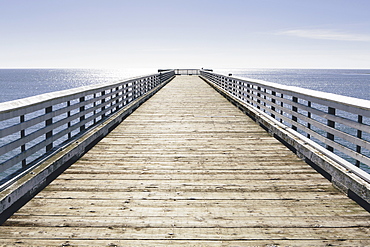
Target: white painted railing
(31,128)
(339,123)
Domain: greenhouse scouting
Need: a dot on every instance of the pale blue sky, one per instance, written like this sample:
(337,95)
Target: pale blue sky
(184,34)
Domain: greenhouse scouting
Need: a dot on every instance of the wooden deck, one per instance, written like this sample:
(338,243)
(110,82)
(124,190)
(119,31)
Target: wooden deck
(188,168)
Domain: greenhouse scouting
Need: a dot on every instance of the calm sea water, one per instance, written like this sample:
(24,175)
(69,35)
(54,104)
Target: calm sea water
(21,83)
(348,82)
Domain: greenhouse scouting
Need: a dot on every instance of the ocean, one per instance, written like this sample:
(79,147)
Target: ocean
(21,83)
(348,82)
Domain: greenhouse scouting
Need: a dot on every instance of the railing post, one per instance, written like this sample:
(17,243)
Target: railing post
(264,98)
(23,147)
(273,101)
(117,99)
(69,122)
(248,92)
(309,116)
(82,118)
(94,105)
(258,97)
(234,86)
(142,86)
(294,109)
(135,90)
(160,77)
(49,122)
(331,124)
(102,102)
(125,92)
(359,135)
(241,90)
(281,106)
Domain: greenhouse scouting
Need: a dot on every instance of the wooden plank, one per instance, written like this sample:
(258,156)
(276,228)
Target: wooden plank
(219,175)
(192,195)
(196,221)
(189,208)
(191,242)
(240,233)
(188,168)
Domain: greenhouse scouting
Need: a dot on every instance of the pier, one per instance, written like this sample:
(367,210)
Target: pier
(187,162)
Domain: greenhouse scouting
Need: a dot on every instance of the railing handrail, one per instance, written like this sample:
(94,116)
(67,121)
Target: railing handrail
(337,98)
(272,98)
(17,104)
(325,96)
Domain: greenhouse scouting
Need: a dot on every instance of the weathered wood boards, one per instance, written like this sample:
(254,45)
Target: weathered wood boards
(188,168)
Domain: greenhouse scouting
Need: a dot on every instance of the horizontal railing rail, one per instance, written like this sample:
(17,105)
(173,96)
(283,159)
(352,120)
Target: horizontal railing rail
(187,71)
(33,127)
(340,124)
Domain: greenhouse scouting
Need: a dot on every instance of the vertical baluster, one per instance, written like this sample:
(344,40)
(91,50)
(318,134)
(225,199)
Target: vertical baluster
(23,147)
(235,87)
(281,108)
(82,118)
(248,92)
(359,135)
(264,99)
(331,124)
(242,90)
(94,105)
(69,122)
(140,87)
(294,109)
(145,83)
(253,93)
(135,90)
(120,95)
(125,91)
(49,122)
(309,116)
(258,97)
(117,98)
(273,101)
(103,104)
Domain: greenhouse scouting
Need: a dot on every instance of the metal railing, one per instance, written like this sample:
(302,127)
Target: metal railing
(33,127)
(340,124)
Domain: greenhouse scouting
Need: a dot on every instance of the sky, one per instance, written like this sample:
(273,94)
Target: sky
(185,34)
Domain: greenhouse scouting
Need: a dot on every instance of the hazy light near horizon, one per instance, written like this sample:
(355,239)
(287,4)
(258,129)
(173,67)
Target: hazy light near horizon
(326,34)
